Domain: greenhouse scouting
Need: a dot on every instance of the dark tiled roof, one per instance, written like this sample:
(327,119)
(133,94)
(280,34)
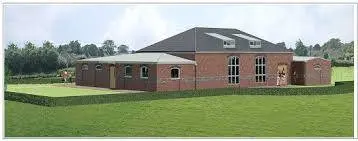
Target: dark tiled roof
(196,40)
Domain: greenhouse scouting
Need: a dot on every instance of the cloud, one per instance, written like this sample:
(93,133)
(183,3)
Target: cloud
(310,23)
(31,22)
(138,27)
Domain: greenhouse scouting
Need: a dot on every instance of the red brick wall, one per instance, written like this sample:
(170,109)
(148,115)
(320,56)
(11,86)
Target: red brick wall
(135,82)
(299,69)
(314,77)
(186,81)
(100,78)
(212,70)
(85,77)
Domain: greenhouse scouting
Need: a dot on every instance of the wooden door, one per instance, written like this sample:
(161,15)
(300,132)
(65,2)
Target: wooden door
(112,77)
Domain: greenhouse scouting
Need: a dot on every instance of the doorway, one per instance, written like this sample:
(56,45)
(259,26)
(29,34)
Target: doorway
(112,77)
(282,74)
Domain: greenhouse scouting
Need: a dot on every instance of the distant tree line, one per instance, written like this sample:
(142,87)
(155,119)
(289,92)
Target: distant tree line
(48,57)
(341,54)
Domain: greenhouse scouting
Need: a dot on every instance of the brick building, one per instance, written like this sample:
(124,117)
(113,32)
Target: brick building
(198,58)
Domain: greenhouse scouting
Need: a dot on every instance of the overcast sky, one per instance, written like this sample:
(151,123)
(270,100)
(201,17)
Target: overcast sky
(140,25)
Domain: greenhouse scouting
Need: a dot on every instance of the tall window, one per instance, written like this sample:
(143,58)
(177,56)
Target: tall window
(144,72)
(174,73)
(128,71)
(233,70)
(260,69)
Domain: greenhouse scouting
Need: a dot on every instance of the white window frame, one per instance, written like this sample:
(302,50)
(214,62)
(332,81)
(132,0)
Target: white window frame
(125,71)
(141,72)
(261,67)
(229,43)
(84,68)
(256,44)
(178,73)
(97,66)
(232,76)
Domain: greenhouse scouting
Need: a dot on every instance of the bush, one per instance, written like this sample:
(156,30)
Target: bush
(38,75)
(342,87)
(342,63)
(39,80)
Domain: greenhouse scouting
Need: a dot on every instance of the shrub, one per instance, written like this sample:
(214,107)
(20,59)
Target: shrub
(38,75)
(39,80)
(342,63)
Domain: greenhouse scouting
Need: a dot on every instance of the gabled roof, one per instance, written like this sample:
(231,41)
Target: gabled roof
(305,58)
(197,40)
(141,58)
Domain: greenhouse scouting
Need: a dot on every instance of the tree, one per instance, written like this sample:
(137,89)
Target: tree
(64,48)
(108,48)
(325,56)
(14,59)
(316,47)
(75,47)
(91,50)
(65,58)
(310,50)
(333,43)
(123,49)
(300,50)
(48,45)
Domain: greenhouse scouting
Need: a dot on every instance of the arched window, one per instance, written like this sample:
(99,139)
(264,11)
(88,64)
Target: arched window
(99,67)
(128,71)
(260,69)
(234,70)
(175,73)
(144,72)
(84,67)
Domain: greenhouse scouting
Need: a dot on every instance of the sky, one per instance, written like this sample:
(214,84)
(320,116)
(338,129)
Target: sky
(141,25)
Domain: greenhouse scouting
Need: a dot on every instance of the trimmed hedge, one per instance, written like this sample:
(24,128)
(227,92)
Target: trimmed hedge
(339,88)
(40,75)
(342,63)
(49,80)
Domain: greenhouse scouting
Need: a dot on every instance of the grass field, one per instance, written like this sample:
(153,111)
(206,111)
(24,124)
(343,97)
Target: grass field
(224,116)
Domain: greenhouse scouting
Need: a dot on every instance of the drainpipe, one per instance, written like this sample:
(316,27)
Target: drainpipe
(195,76)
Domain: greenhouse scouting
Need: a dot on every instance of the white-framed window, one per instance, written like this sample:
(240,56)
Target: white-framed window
(260,69)
(144,72)
(229,43)
(175,73)
(255,44)
(128,71)
(99,67)
(234,70)
(84,67)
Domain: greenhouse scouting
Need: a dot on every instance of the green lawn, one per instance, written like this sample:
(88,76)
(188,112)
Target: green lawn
(220,116)
(55,90)
(343,74)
